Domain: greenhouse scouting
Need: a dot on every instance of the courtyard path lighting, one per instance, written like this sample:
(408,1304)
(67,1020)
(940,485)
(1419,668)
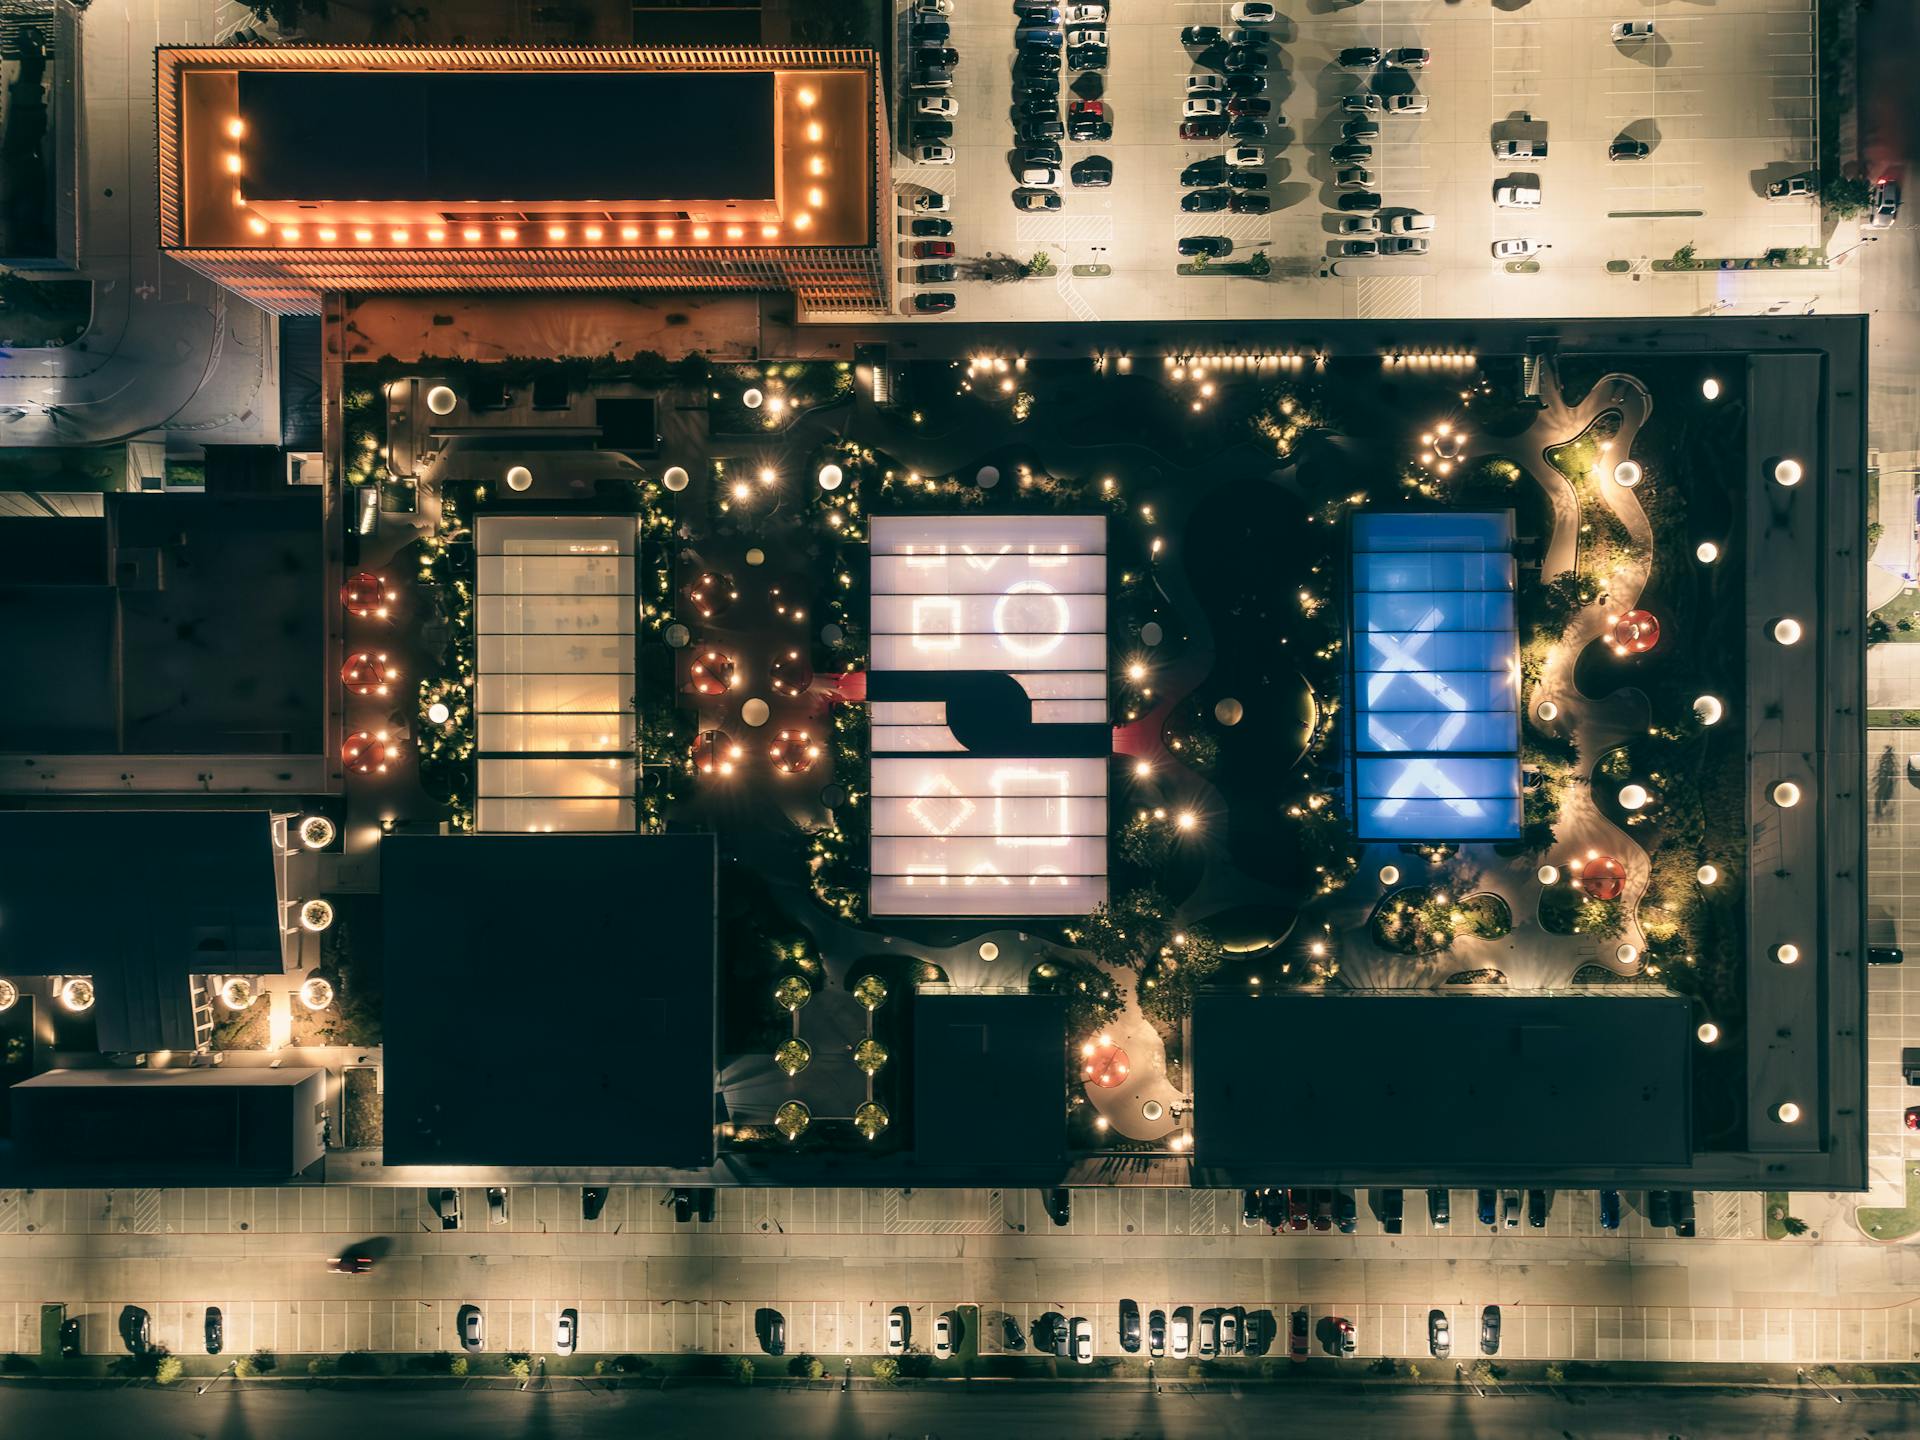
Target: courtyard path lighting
(1787,631)
(316,915)
(1708,1032)
(77,994)
(9,995)
(441,400)
(1706,552)
(316,992)
(317,832)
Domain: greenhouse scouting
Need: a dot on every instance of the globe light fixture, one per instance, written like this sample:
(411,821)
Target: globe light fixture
(317,832)
(1708,1032)
(1547,710)
(830,477)
(1627,474)
(1633,797)
(989,951)
(519,478)
(1389,874)
(675,479)
(1786,794)
(316,915)
(1707,874)
(441,400)
(1549,874)
(1706,552)
(77,994)
(1708,710)
(1787,631)
(1788,472)
(438,713)
(1787,953)
(1710,388)
(1787,1113)
(9,994)
(752,399)
(1626,953)
(316,993)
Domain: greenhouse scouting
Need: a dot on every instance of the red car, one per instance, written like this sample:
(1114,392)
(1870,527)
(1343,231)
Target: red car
(1297,1336)
(1205,129)
(1913,1117)
(1323,1209)
(1297,1209)
(933,250)
(350,1264)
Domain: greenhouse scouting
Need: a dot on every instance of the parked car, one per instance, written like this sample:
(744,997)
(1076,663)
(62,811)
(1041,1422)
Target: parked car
(447,1207)
(1246,157)
(1360,200)
(1251,105)
(1359,225)
(931,28)
(1404,245)
(1323,1209)
(1885,955)
(1246,128)
(1040,37)
(1130,1326)
(1082,1340)
(1242,59)
(1209,1333)
(1358,248)
(1297,1333)
(1095,36)
(1359,57)
(1537,1204)
(1490,1330)
(1093,172)
(933,154)
(1059,1203)
(1521,192)
(1345,1211)
(1205,202)
(933,302)
(1203,129)
(1253,12)
(1180,1336)
(136,1330)
(771,1326)
(566,1332)
(1252,203)
(1197,35)
(1510,1210)
(1391,1204)
(1609,1209)
(1297,1209)
(1211,171)
(1346,1336)
(1795,187)
(1041,176)
(1883,208)
(473,1328)
(1349,151)
(1364,104)
(214,1331)
(1037,132)
(1520,150)
(1913,1117)
(932,250)
(931,227)
(1439,1207)
(897,1323)
(1039,107)
(1229,1332)
(1360,128)
(1037,12)
(593,1198)
(934,52)
(1252,1207)
(1629,150)
(1036,199)
(1407,102)
(496,1205)
(1045,153)
(1515,249)
(1087,120)
(1205,85)
(933,274)
(1010,1335)
(1248,180)
(1439,1334)
(1086,14)
(942,1337)
(1243,87)
(350,1264)
(1354,177)
(1083,58)
(1632,29)
(1156,1332)
(1198,106)
(1059,1334)
(1659,1209)
(1410,57)
(933,7)
(1485,1205)
(1683,1214)
(1033,61)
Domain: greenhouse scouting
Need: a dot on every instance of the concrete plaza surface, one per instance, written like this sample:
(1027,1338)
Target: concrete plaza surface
(950,1412)
(1723,95)
(833,1262)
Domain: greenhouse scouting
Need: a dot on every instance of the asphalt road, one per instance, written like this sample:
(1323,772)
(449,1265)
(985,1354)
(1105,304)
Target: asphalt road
(289,1413)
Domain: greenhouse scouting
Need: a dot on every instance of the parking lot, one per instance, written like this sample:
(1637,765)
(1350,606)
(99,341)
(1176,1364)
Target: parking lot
(1723,98)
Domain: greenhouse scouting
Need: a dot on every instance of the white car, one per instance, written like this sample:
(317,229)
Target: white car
(933,7)
(496,1205)
(1229,1333)
(942,1337)
(934,154)
(1209,1333)
(1521,150)
(929,202)
(1077,38)
(1082,1340)
(1179,1334)
(897,1331)
(1359,224)
(1197,107)
(1411,103)
(1205,85)
(1043,176)
(1086,14)
(473,1328)
(1522,192)
(1246,157)
(1253,12)
(1362,104)
(1515,249)
(566,1331)
(1884,208)
(1632,29)
(937,105)
(1410,57)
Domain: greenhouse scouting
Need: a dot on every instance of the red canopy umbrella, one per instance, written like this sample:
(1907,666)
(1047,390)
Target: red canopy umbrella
(1600,876)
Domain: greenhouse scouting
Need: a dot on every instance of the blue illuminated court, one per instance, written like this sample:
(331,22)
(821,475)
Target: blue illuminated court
(1436,725)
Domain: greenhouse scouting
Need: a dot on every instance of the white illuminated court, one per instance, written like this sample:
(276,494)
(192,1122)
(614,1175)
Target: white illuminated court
(989,794)
(555,636)
(1436,660)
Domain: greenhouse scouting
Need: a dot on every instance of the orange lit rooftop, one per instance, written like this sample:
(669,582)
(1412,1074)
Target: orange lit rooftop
(306,151)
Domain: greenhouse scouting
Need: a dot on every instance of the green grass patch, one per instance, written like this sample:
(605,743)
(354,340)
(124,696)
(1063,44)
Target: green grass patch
(1775,1210)
(1892,719)
(1899,618)
(1891,1223)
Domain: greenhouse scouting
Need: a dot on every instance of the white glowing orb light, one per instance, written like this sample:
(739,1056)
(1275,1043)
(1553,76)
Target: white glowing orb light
(1389,874)
(989,951)
(1708,1032)
(316,993)
(830,477)
(1787,954)
(316,915)
(1633,797)
(1787,631)
(317,832)
(441,400)
(1706,552)
(236,992)
(752,399)
(519,478)
(438,713)
(9,994)
(675,479)
(1708,874)
(1710,388)
(1788,472)
(1547,710)
(1786,794)
(1229,711)
(755,712)
(1787,1113)
(77,994)
(1708,710)
(1626,954)
(1549,874)
(1627,474)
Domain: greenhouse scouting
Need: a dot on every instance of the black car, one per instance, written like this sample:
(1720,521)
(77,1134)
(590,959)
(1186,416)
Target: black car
(1041,132)
(1092,172)
(1250,1207)
(927,131)
(931,27)
(1485,1206)
(1439,1207)
(1059,1203)
(1345,1212)
(933,274)
(1392,1202)
(930,227)
(1087,126)
(1885,955)
(1537,1209)
(932,302)
(1083,58)
(1683,1213)
(1249,105)
(1629,150)
(1246,86)
(1203,127)
(1204,202)
(944,56)
(1273,1207)
(1130,1326)
(1659,1209)
(1297,1335)
(1256,1332)
(1242,59)
(1156,1332)
(1212,246)
(1037,12)
(70,1339)
(1248,179)
(1040,107)
(1609,1209)
(1200,35)
(1349,151)
(1027,86)
(136,1330)
(1247,129)
(1203,172)
(1031,61)
(1010,1335)
(1360,200)
(215,1332)
(1490,1330)
(1045,154)
(772,1326)
(593,1199)
(1359,57)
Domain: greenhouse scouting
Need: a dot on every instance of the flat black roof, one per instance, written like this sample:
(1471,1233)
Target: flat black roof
(140,900)
(1418,1084)
(549,999)
(507,135)
(983,1069)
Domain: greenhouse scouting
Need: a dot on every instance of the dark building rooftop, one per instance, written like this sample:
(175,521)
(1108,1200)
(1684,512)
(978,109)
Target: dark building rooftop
(140,900)
(1417,1085)
(550,999)
(983,1067)
(507,135)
